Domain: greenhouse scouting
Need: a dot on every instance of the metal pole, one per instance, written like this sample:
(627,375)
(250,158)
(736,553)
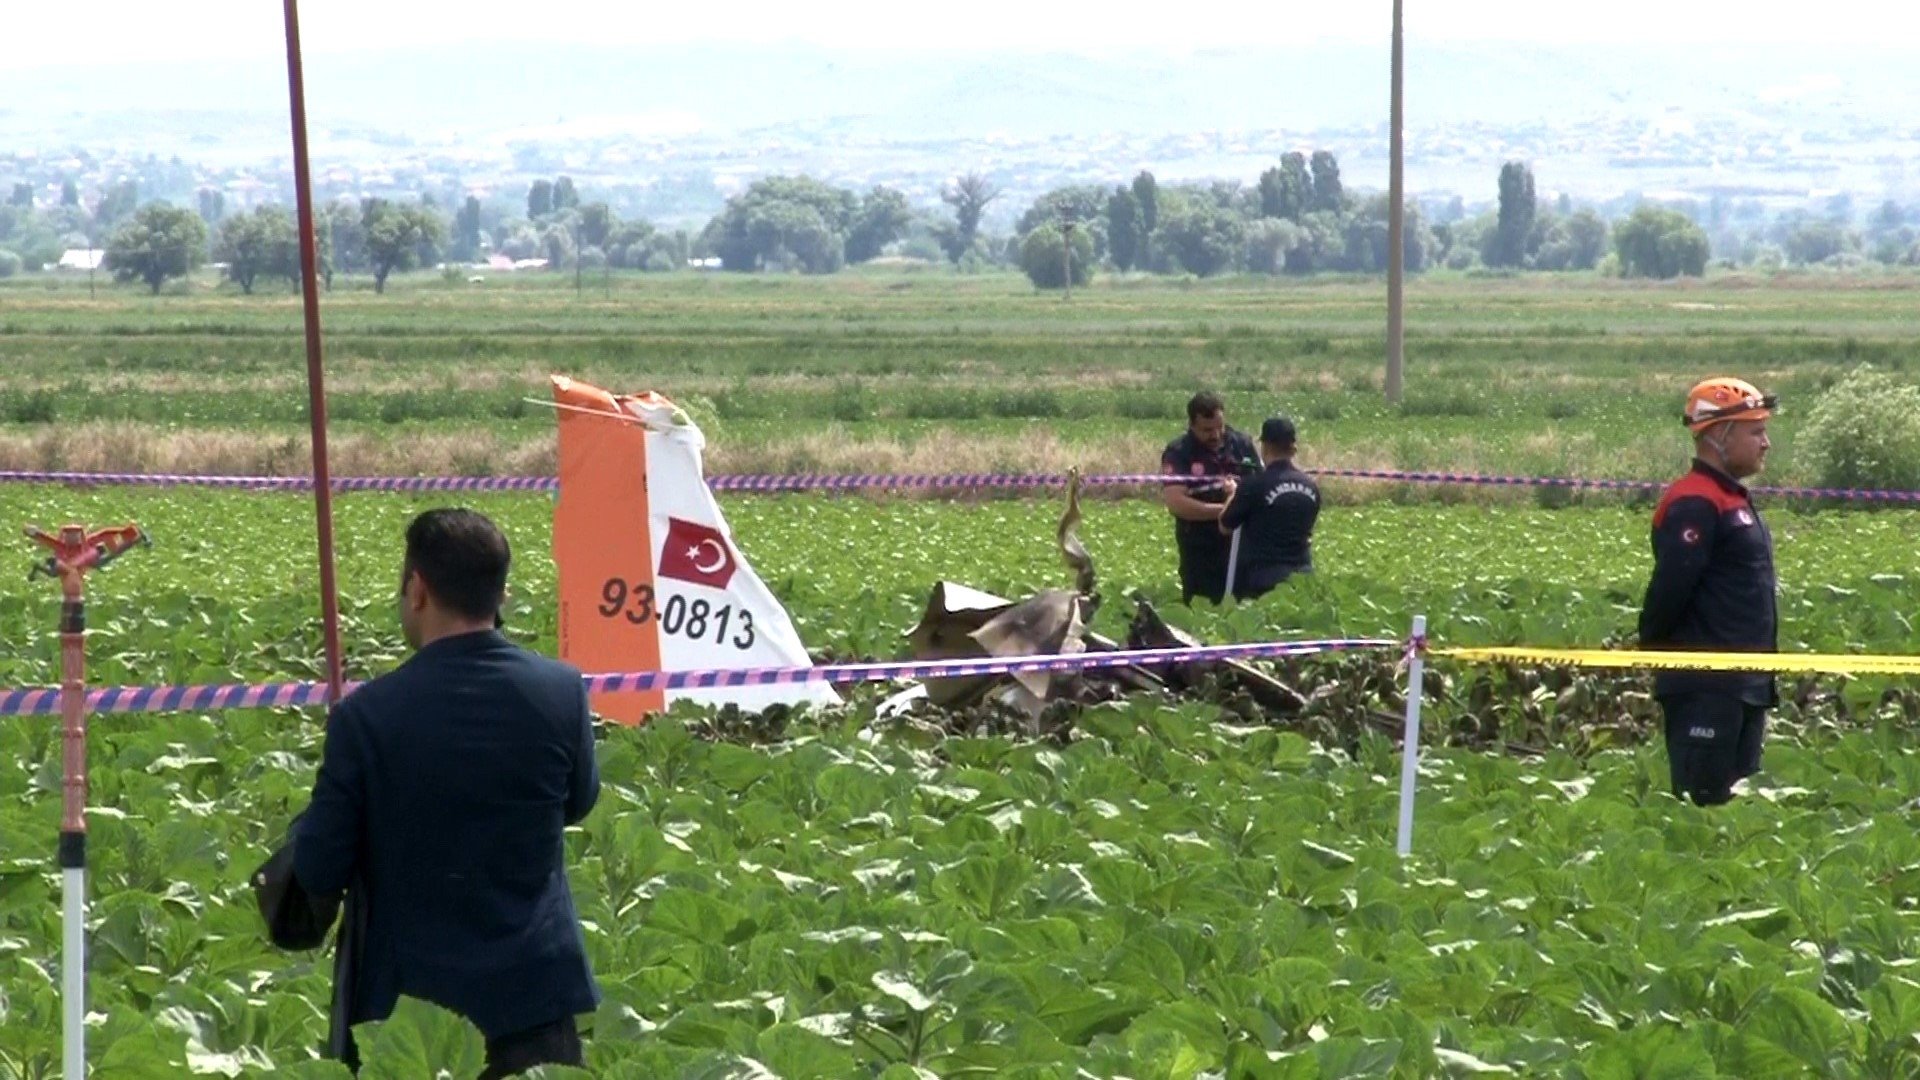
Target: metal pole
(316,376)
(1410,745)
(1233,564)
(1396,220)
(73,818)
(74,552)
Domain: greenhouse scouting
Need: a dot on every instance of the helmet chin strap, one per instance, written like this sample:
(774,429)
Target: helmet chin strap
(1716,437)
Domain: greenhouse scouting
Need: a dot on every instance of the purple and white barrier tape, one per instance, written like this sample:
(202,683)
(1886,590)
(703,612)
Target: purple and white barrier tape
(45,701)
(799,482)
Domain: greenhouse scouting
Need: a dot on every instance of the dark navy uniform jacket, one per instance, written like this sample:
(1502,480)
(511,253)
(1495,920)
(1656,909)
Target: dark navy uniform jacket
(1275,513)
(1184,456)
(1713,584)
(444,787)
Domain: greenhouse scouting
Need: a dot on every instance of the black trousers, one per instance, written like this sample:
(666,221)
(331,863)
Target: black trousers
(1203,570)
(557,1043)
(1713,741)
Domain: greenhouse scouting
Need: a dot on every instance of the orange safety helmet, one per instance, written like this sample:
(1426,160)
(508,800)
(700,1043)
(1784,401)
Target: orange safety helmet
(1718,400)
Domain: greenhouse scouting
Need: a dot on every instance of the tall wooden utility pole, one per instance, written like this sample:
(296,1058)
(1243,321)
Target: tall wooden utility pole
(1396,222)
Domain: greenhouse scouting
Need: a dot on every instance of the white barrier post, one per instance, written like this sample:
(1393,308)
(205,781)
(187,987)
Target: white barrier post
(1410,750)
(1233,565)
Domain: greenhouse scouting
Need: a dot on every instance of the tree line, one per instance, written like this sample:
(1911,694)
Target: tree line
(1297,217)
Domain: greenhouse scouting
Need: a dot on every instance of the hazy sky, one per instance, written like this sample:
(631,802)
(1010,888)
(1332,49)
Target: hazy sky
(127,29)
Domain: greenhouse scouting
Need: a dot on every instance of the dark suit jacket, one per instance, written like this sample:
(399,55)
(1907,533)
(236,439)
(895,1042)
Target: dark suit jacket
(445,786)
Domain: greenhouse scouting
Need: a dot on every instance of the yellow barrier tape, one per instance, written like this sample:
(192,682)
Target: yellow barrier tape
(1814,663)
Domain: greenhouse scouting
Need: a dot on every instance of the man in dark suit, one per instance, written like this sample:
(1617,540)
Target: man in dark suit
(441,797)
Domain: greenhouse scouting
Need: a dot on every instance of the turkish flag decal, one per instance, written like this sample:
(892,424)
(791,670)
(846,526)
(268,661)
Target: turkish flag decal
(696,553)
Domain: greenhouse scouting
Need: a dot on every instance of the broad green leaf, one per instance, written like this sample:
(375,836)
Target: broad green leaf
(419,1040)
(1802,1024)
(145,1053)
(1653,1052)
(898,986)
(699,917)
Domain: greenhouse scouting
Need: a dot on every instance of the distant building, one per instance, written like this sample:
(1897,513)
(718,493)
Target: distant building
(80,259)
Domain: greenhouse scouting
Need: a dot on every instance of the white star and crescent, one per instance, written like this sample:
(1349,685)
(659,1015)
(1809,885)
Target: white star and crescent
(719,556)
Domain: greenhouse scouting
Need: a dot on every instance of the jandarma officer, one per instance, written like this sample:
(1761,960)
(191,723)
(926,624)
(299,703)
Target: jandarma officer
(1713,589)
(1275,512)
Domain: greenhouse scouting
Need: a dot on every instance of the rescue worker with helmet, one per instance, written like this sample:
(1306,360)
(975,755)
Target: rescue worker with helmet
(1713,589)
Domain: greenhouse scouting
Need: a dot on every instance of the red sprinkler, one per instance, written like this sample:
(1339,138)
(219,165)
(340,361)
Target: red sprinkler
(76,552)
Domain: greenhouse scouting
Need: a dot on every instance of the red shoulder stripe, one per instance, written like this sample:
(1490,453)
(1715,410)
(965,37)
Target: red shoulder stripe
(1697,485)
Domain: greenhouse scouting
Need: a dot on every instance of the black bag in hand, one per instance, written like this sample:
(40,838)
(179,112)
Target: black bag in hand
(296,919)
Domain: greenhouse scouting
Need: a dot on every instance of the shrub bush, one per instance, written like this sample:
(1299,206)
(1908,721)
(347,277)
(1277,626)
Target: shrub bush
(1865,433)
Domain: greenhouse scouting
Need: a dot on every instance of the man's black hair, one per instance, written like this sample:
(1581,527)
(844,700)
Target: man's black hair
(463,558)
(1278,432)
(1203,404)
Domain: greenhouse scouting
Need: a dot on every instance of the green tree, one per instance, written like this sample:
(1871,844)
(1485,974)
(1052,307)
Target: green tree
(1586,240)
(346,235)
(1888,233)
(116,203)
(22,195)
(1123,228)
(1508,245)
(464,245)
(539,200)
(1203,237)
(1364,238)
(397,237)
(1816,241)
(1043,256)
(796,235)
(158,242)
(1084,205)
(1286,191)
(784,221)
(69,193)
(213,206)
(1322,248)
(9,263)
(1889,217)
(627,245)
(969,196)
(883,218)
(265,241)
(556,244)
(1328,195)
(1269,240)
(564,196)
(1659,243)
(1146,193)
(596,224)
(322,251)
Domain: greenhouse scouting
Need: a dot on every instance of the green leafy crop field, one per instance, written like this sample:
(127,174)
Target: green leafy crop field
(1152,888)
(1155,889)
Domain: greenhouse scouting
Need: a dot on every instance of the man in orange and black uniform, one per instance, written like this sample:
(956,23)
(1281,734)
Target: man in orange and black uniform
(1713,589)
(1212,450)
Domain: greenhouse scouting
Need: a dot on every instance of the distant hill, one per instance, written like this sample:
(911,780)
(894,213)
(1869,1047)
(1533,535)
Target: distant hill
(934,95)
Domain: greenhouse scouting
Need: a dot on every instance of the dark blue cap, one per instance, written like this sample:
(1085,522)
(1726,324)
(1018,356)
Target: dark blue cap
(1277,431)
